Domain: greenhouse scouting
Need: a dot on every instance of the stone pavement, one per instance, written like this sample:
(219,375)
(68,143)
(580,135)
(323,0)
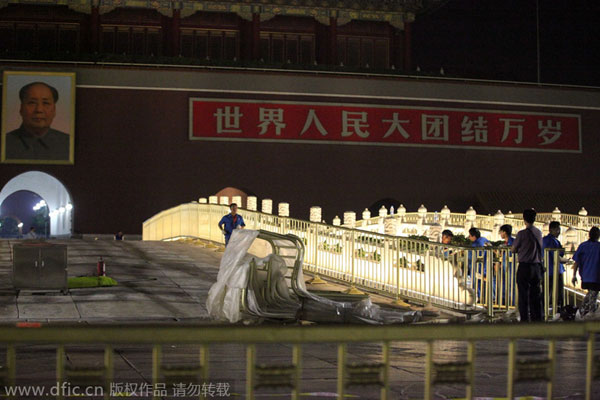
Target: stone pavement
(168,282)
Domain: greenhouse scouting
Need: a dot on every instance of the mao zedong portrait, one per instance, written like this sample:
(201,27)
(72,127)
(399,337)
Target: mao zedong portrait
(35,139)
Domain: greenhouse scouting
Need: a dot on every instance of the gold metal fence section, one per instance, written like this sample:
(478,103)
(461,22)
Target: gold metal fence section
(519,367)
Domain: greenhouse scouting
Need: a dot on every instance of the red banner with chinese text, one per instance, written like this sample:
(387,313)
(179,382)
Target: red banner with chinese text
(383,125)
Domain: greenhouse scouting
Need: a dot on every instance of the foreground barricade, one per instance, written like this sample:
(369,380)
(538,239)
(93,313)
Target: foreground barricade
(375,362)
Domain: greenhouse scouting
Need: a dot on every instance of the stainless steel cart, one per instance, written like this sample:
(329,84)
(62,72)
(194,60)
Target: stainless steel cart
(40,266)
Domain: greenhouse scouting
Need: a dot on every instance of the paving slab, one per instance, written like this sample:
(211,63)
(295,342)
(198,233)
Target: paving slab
(42,307)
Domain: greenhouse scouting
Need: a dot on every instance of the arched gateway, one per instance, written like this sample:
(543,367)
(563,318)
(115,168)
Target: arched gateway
(52,191)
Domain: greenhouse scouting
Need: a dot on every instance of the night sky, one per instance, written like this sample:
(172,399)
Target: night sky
(497,40)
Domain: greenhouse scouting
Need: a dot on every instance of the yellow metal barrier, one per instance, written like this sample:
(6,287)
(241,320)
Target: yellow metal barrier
(519,366)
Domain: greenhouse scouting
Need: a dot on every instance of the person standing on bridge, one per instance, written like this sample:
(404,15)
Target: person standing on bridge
(587,261)
(504,270)
(551,241)
(230,222)
(528,246)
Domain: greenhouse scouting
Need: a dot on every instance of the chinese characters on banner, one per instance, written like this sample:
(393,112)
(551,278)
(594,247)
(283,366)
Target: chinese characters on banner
(382,125)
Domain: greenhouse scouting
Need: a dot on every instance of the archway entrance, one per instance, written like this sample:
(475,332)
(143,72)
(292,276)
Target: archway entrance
(55,195)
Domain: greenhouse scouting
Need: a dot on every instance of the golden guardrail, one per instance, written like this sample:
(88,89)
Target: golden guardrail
(519,367)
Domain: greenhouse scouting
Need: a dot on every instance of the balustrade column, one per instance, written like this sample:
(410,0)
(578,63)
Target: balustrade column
(315,214)
(390,226)
(498,222)
(366,214)
(332,41)
(175,31)
(283,209)
(350,219)
(255,36)
(582,225)
(445,215)
(401,213)
(471,216)
(95,26)
(251,203)
(407,46)
(267,206)
(556,214)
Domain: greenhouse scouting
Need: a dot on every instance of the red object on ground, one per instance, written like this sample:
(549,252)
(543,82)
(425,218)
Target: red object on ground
(29,325)
(101,268)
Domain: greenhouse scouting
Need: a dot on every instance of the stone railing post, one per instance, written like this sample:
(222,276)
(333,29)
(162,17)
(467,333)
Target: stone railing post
(422,213)
(251,203)
(401,213)
(471,216)
(556,214)
(366,214)
(350,219)
(337,221)
(498,222)
(445,216)
(582,224)
(267,206)
(315,214)
(283,209)
(390,226)
(383,212)
(571,239)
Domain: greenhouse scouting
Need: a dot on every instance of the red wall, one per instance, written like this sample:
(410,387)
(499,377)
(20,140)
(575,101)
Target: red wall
(133,159)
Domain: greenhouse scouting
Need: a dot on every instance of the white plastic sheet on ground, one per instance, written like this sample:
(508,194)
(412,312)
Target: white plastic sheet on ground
(223,301)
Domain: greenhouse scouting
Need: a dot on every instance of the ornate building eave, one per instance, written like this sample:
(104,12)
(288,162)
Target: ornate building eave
(395,12)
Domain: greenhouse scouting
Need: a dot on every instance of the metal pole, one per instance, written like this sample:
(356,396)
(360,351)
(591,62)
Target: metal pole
(250,362)
(555,278)
(297,361)
(589,366)
(60,370)
(489,276)
(552,359)
(429,370)
(545,286)
(385,390)
(471,369)
(156,368)
(341,371)
(108,370)
(512,355)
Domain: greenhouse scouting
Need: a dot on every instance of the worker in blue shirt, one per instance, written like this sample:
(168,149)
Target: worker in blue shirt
(550,241)
(230,222)
(587,261)
(478,241)
(508,267)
